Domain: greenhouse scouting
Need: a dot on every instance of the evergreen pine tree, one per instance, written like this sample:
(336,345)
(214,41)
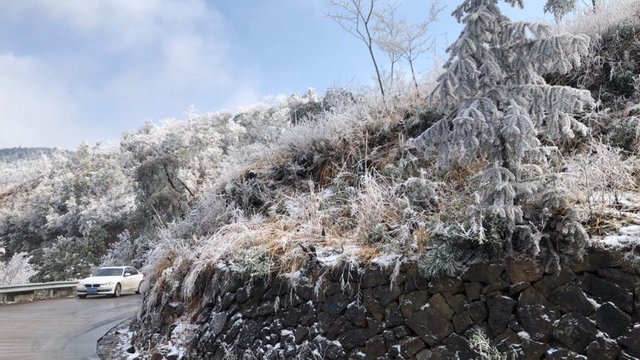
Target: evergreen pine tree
(500,109)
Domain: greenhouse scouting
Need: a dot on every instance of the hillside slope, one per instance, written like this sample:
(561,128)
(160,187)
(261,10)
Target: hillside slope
(354,190)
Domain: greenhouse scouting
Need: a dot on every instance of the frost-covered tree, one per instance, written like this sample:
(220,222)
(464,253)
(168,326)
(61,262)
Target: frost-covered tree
(358,18)
(415,39)
(387,36)
(560,8)
(404,41)
(500,109)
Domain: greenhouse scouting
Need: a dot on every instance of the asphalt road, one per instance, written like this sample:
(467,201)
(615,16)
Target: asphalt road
(61,328)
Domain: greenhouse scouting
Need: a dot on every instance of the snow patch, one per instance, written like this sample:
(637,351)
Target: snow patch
(630,230)
(617,241)
(336,343)
(330,260)
(386,260)
(593,302)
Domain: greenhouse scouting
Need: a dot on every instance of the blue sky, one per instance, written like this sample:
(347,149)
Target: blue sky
(89,70)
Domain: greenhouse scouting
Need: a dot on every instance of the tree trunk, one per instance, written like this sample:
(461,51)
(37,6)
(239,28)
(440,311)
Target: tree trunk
(375,65)
(413,75)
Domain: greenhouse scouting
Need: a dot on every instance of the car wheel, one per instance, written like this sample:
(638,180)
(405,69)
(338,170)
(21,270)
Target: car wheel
(138,291)
(82,296)
(117,291)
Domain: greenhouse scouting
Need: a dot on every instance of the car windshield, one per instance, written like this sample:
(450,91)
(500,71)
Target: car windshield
(108,272)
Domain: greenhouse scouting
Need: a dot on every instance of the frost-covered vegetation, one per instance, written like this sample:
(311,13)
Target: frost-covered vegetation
(17,270)
(18,165)
(107,204)
(517,154)
(527,148)
(596,19)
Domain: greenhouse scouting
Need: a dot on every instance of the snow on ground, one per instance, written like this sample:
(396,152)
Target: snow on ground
(626,207)
(626,236)
(386,260)
(181,335)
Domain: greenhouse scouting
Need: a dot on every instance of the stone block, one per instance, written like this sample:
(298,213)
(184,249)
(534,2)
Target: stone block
(430,325)
(612,320)
(572,299)
(500,310)
(485,273)
(524,271)
(575,332)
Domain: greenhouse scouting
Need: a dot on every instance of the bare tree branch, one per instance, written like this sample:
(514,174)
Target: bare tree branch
(353,19)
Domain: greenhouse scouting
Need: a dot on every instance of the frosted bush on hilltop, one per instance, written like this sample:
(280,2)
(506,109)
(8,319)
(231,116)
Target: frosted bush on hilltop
(500,109)
(607,14)
(20,171)
(85,191)
(175,161)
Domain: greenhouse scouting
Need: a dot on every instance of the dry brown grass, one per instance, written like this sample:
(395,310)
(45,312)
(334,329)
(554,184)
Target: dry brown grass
(601,224)
(459,177)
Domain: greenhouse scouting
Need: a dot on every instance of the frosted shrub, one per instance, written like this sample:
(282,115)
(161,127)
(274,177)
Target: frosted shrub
(255,262)
(306,108)
(481,344)
(421,193)
(597,178)
(17,270)
(441,260)
(623,133)
(456,245)
(424,119)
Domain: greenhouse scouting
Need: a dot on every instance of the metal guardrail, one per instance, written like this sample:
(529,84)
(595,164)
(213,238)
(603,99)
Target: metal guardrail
(46,290)
(38,286)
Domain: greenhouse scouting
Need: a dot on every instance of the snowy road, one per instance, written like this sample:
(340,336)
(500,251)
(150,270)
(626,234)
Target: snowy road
(60,329)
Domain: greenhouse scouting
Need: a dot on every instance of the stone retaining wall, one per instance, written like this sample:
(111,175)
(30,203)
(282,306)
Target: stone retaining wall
(589,310)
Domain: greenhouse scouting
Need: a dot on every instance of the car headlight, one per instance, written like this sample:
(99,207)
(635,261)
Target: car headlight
(108,283)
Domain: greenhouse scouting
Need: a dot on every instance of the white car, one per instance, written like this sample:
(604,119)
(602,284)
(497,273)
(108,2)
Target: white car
(111,281)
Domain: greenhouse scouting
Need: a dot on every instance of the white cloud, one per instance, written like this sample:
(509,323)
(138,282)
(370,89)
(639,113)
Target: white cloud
(34,110)
(139,57)
(126,23)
